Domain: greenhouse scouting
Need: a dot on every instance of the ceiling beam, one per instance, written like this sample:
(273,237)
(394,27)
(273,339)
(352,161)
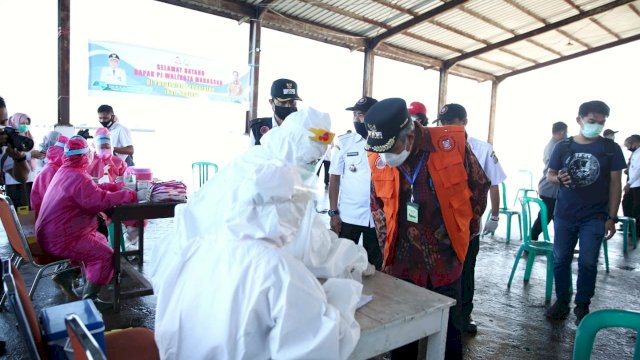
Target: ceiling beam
(634,9)
(506,29)
(416,20)
(225,8)
(540,30)
(571,56)
(605,28)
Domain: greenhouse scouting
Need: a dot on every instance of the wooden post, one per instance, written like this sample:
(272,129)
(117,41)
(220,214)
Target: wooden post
(254,69)
(492,111)
(367,78)
(442,87)
(64,32)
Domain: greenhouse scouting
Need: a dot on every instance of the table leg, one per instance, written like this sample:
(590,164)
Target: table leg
(141,243)
(437,342)
(117,240)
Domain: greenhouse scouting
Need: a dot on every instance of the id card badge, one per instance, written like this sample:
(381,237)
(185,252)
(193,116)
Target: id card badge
(412,212)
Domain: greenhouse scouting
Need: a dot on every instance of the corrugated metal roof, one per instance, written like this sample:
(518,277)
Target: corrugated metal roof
(482,39)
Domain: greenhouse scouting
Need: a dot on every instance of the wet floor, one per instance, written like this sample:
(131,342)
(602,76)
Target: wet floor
(511,322)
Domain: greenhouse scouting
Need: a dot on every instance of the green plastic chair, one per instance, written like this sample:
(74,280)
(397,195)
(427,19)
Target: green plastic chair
(527,181)
(504,210)
(534,248)
(602,319)
(628,223)
(112,235)
(205,169)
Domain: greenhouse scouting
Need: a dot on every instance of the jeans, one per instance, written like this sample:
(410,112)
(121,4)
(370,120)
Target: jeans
(454,335)
(536,229)
(590,233)
(369,241)
(468,279)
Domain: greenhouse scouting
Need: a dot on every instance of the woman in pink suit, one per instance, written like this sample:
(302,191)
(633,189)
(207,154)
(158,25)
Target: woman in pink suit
(66,224)
(104,157)
(41,183)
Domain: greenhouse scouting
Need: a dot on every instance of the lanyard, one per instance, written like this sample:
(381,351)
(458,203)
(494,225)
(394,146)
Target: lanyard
(412,179)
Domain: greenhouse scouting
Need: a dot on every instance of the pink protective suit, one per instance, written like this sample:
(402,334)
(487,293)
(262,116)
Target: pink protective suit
(66,225)
(104,156)
(55,154)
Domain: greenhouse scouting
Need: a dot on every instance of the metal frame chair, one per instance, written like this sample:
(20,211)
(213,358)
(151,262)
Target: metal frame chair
(602,319)
(21,249)
(85,347)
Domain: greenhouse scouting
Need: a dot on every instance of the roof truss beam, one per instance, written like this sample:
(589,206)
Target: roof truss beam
(538,31)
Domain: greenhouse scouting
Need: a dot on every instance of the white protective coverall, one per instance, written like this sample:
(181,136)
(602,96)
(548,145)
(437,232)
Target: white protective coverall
(227,286)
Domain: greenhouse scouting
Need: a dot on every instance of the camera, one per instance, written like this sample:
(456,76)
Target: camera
(17,141)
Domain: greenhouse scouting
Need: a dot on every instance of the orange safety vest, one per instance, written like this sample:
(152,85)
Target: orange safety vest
(449,176)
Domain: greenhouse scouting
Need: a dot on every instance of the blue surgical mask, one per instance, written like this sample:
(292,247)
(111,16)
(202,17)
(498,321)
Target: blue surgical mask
(591,130)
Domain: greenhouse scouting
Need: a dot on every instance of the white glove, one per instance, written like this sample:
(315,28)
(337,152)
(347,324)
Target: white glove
(491,225)
(371,270)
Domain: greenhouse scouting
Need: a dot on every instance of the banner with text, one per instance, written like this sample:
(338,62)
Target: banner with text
(139,70)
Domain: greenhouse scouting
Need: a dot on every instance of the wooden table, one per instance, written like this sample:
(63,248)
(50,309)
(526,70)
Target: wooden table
(139,212)
(400,313)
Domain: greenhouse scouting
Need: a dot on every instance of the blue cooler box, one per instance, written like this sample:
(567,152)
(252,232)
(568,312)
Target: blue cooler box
(55,331)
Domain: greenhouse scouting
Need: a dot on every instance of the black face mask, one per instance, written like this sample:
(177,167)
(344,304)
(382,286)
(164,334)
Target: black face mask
(107,124)
(632,149)
(361,129)
(283,111)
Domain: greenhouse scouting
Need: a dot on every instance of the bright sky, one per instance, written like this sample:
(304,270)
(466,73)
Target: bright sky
(329,78)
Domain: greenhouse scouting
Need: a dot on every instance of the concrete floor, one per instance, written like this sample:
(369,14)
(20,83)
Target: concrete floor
(511,322)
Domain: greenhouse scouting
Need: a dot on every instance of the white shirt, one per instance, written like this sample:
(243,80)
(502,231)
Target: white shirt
(120,137)
(488,160)
(274,124)
(113,76)
(634,170)
(350,162)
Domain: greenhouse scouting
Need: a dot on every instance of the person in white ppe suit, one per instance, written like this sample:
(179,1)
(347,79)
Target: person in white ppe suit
(237,279)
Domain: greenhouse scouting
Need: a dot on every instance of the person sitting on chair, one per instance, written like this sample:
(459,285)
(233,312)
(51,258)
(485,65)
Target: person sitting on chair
(43,179)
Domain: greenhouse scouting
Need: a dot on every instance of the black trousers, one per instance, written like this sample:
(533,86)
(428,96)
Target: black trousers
(454,335)
(627,204)
(20,194)
(325,164)
(635,193)
(468,279)
(369,241)
(536,229)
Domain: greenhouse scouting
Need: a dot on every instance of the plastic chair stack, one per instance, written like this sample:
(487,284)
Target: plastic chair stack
(602,319)
(204,171)
(526,185)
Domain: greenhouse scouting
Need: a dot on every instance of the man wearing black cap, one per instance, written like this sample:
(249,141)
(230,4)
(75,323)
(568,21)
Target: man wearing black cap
(350,181)
(456,115)
(425,185)
(284,94)
(113,74)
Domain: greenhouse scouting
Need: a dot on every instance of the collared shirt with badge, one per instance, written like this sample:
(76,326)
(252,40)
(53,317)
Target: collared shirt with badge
(350,162)
(488,160)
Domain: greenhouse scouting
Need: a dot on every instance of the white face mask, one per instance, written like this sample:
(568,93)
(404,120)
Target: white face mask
(395,160)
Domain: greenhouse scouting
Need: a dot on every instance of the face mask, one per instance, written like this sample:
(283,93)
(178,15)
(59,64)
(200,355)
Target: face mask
(283,111)
(23,128)
(360,129)
(395,160)
(591,130)
(107,123)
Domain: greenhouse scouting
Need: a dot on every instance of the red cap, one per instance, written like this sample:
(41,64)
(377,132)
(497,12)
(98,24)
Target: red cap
(417,107)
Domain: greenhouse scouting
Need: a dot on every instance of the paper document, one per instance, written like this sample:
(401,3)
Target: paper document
(364,300)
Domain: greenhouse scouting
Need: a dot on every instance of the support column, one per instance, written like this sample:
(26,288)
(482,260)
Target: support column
(367,78)
(492,110)
(255,39)
(443,85)
(64,32)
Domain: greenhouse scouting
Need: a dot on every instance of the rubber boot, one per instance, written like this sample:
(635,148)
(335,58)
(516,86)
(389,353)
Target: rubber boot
(91,291)
(64,281)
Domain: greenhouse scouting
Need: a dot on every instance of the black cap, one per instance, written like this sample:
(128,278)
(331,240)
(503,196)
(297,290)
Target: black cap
(451,112)
(114,56)
(608,132)
(364,104)
(284,89)
(384,120)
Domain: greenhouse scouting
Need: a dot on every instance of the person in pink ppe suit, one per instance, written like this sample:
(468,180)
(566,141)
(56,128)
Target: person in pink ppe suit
(41,183)
(67,222)
(104,157)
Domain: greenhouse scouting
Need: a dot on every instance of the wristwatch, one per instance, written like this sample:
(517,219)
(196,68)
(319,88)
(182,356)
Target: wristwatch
(615,219)
(333,213)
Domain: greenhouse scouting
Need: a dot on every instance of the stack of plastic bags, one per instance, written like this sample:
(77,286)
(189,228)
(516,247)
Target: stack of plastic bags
(172,190)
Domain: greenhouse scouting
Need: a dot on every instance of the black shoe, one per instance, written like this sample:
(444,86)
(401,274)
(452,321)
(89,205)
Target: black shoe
(470,327)
(581,310)
(558,311)
(64,281)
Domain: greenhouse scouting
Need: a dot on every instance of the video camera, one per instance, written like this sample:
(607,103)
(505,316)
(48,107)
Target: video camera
(17,141)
